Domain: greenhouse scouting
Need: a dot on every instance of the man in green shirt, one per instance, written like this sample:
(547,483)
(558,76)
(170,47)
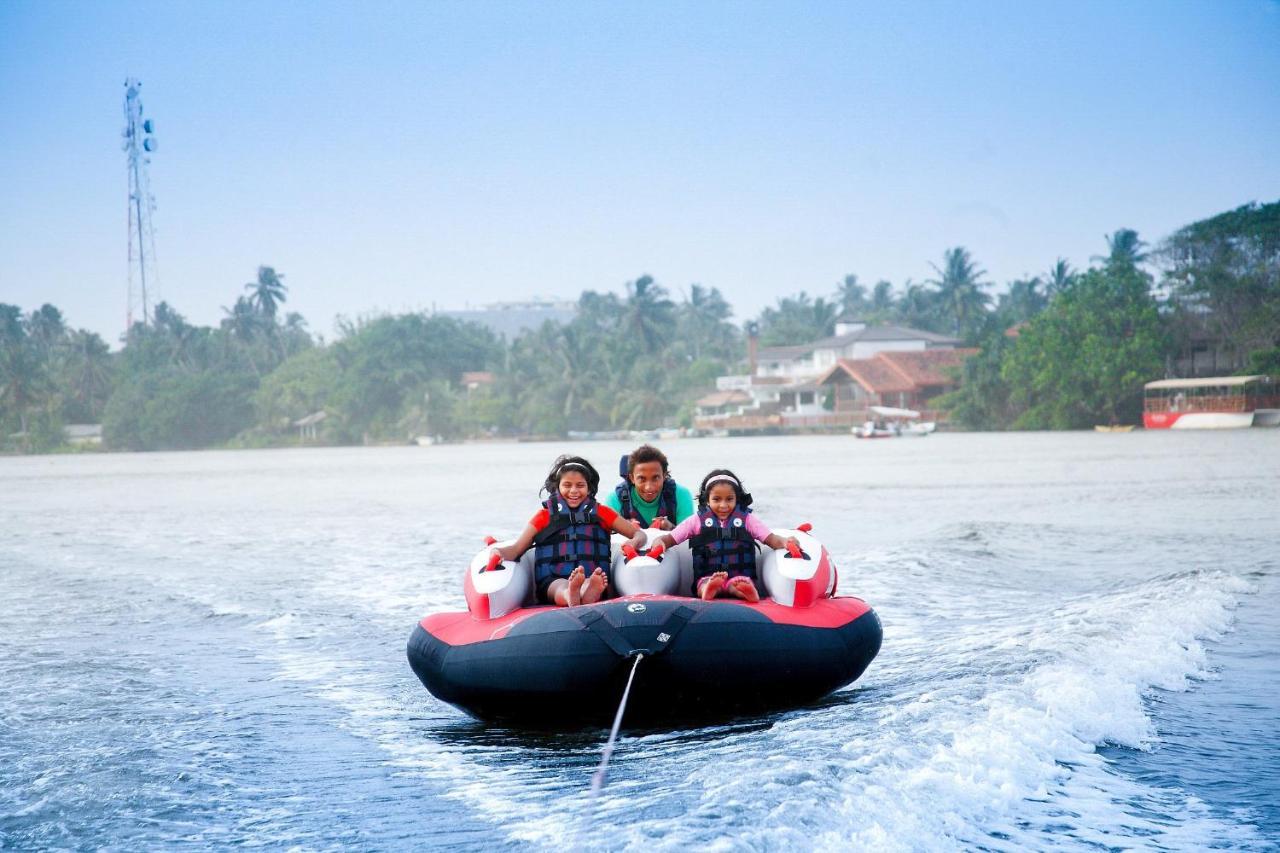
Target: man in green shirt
(648,496)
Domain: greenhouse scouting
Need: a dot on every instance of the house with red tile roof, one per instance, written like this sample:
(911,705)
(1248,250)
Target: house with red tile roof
(905,380)
(788,388)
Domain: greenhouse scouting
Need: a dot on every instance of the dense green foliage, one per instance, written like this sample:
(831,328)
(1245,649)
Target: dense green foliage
(1062,350)
(1083,361)
(1223,274)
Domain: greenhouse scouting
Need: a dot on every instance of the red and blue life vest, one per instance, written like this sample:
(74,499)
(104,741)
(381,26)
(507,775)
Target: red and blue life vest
(729,548)
(666,502)
(572,538)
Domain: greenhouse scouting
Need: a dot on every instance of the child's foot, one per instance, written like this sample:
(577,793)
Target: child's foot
(743,588)
(594,586)
(712,585)
(573,595)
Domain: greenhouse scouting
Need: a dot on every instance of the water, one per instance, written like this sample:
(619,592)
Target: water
(1080,652)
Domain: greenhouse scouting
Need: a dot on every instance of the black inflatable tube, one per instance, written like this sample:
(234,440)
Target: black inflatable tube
(552,671)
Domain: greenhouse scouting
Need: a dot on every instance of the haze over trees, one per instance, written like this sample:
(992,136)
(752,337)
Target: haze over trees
(1059,350)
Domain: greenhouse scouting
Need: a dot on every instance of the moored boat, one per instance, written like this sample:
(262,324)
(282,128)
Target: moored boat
(1213,402)
(890,422)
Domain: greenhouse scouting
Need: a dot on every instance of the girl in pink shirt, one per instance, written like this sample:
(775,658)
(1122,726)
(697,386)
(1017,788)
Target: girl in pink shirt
(722,536)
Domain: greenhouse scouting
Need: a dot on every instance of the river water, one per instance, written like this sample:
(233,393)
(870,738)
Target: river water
(1081,651)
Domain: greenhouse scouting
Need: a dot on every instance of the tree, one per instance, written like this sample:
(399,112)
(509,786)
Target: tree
(85,377)
(918,307)
(648,313)
(267,292)
(981,401)
(1023,301)
(1083,361)
(881,300)
(961,301)
(1223,274)
(797,319)
(24,380)
(851,296)
(1124,249)
(703,325)
(1058,278)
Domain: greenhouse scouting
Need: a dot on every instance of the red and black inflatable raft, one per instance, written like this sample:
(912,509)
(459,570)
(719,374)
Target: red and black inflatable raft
(565,667)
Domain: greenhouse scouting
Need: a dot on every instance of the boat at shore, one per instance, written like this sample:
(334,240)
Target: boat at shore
(1212,402)
(508,659)
(890,422)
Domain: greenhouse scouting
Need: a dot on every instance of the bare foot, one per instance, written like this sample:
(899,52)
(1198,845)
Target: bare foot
(595,586)
(712,585)
(573,593)
(743,588)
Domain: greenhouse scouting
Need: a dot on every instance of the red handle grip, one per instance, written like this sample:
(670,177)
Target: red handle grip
(495,560)
(656,551)
(794,550)
(489,540)
(805,528)
(628,552)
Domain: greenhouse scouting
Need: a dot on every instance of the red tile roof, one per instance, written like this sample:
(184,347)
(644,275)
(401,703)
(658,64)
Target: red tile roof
(928,367)
(891,372)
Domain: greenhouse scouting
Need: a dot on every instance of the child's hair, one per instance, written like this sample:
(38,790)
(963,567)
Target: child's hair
(646,453)
(571,463)
(723,475)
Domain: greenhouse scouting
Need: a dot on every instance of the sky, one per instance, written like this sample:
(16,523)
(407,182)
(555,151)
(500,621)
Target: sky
(389,157)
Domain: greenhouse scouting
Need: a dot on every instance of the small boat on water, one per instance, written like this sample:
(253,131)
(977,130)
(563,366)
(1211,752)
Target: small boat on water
(1113,427)
(890,422)
(508,659)
(1212,402)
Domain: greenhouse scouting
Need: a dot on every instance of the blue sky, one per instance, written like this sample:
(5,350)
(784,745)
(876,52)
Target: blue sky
(390,157)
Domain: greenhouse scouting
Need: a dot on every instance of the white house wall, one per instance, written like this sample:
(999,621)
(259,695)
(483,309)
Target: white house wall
(868,349)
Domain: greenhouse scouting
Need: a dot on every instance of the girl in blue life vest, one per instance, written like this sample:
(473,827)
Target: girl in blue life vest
(723,536)
(570,535)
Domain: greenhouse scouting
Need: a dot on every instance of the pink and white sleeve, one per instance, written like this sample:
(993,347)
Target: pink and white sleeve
(685,529)
(757,528)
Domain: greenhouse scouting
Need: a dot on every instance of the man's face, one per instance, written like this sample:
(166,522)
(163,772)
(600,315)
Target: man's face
(648,478)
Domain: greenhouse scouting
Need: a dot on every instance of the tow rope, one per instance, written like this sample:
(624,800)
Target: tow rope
(593,620)
(597,779)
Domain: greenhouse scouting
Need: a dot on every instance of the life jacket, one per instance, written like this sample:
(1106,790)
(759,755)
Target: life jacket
(666,502)
(723,549)
(572,538)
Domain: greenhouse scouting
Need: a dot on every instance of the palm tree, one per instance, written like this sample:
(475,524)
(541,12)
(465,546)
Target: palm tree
(1058,278)
(243,322)
(1124,249)
(918,307)
(882,299)
(46,329)
(851,296)
(23,381)
(268,291)
(88,373)
(647,313)
(1023,301)
(960,292)
(704,320)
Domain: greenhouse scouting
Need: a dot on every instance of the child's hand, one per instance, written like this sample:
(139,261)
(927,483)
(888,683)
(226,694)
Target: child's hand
(792,544)
(661,522)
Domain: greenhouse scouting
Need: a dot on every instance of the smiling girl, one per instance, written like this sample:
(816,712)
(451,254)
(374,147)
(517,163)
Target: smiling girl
(570,535)
(723,538)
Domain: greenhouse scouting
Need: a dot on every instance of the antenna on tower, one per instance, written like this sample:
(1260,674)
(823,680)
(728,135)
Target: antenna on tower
(139,143)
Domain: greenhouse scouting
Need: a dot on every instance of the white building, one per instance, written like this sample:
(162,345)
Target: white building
(784,391)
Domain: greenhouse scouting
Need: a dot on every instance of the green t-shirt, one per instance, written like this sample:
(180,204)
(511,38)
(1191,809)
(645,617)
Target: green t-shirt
(648,509)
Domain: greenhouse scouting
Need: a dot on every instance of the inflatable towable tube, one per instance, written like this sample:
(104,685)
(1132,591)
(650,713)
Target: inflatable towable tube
(508,659)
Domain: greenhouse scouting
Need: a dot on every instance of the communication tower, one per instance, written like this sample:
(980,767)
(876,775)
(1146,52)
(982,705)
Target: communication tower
(139,143)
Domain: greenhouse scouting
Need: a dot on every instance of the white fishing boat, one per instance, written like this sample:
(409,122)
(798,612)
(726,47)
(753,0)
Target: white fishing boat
(890,422)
